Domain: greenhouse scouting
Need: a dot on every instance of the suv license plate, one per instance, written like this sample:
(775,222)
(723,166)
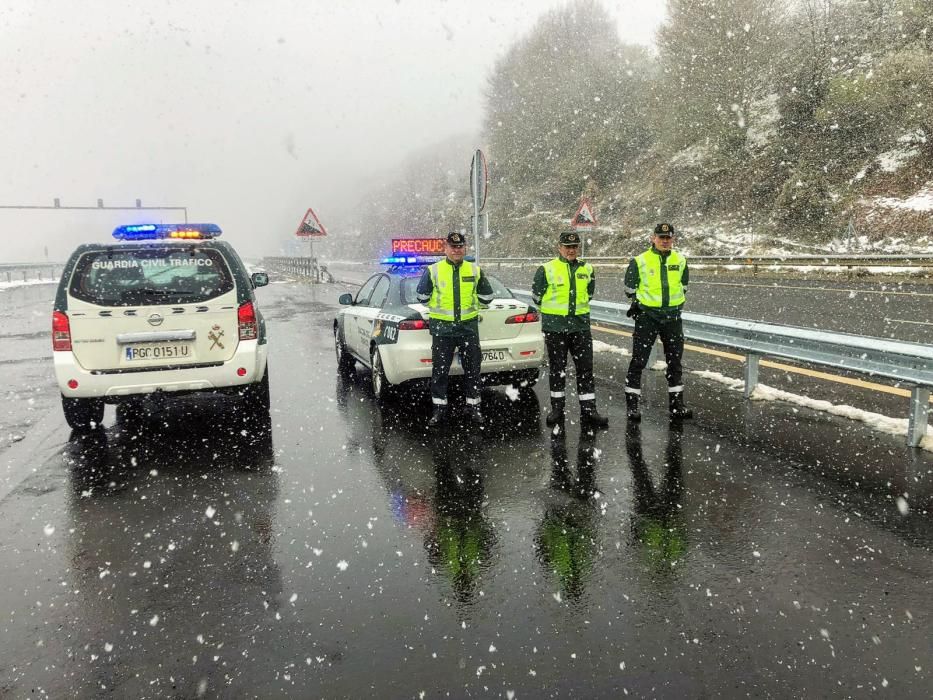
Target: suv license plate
(493,355)
(165,351)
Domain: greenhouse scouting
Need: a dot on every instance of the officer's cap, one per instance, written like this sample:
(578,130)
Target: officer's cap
(664,230)
(455,238)
(569,238)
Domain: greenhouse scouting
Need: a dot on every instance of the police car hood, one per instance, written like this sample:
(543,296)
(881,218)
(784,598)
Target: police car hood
(492,325)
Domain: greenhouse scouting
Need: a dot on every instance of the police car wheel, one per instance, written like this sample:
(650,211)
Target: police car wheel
(345,360)
(83,414)
(381,388)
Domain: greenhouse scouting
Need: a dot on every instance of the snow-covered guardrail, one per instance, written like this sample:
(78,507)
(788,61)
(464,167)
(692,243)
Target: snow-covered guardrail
(11,273)
(300,267)
(909,363)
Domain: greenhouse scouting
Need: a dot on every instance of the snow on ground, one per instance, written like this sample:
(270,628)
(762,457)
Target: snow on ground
(764,116)
(600,346)
(20,283)
(694,155)
(893,160)
(877,421)
(922,200)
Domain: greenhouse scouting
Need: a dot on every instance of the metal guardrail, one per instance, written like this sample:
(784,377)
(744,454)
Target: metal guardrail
(308,268)
(24,272)
(910,363)
(755,262)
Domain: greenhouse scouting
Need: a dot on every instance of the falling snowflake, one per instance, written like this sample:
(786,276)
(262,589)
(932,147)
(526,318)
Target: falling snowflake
(342,565)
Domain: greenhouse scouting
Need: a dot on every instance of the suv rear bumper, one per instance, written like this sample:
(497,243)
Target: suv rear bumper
(250,355)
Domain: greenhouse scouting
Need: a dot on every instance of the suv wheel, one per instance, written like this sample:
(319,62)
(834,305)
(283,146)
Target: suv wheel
(83,414)
(381,387)
(345,360)
(256,396)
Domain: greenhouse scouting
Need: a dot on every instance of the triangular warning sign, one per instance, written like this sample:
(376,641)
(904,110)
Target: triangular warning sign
(584,218)
(310,226)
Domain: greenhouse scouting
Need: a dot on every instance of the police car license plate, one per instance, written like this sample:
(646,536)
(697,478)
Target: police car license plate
(161,351)
(493,355)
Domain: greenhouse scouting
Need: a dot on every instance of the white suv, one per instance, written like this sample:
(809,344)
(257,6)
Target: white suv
(167,308)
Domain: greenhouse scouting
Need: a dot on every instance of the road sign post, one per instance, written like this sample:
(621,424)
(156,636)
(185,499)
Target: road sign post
(479,186)
(584,218)
(311,228)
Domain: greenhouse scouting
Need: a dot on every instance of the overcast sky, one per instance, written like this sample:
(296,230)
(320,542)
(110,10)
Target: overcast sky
(245,112)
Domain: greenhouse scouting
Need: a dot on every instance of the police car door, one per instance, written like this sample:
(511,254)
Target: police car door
(366,315)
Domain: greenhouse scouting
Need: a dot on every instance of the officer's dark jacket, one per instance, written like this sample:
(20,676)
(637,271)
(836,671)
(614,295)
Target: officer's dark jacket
(632,279)
(551,323)
(483,292)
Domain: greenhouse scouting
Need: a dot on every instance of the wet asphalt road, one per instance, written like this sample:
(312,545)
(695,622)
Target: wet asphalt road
(341,551)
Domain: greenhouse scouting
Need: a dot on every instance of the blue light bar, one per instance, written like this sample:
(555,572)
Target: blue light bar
(151,232)
(407,260)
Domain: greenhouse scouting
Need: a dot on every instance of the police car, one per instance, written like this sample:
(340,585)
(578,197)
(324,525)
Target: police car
(387,330)
(165,308)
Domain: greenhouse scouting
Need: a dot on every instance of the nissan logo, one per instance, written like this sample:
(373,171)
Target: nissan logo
(155,320)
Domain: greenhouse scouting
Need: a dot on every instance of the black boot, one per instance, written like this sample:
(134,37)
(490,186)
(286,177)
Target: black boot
(678,410)
(556,415)
(474,415)
(590,418)
(631,407)
(438,417)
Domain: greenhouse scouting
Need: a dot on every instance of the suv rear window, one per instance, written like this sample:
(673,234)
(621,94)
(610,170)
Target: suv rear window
(135,276)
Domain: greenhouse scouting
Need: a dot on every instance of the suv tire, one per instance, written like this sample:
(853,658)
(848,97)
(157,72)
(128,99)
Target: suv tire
(83,414)
(256,396)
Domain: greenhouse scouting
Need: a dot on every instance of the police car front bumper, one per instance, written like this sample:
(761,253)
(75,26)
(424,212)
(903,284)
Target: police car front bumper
(112,386)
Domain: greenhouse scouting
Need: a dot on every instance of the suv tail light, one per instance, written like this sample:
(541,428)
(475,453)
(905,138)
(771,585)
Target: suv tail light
(61,331)
(531,317)
(246,320)
(414,325)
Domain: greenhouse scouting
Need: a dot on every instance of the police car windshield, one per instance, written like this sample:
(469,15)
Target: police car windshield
(150,275)
(410,284)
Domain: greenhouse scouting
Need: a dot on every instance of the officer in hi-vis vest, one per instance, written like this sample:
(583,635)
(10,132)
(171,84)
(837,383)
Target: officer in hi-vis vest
(656,281)
(562,289)
(453,289)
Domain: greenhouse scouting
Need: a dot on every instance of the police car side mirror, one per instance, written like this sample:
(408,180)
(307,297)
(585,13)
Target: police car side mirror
(345,300)
(259,279)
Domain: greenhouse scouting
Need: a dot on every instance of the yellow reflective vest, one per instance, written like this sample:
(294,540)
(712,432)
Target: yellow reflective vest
(651,281)
(441,303)
(556,299)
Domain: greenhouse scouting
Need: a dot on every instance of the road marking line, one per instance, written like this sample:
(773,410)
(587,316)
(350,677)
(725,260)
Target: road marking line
(883,388)
(818,289)
(904,320)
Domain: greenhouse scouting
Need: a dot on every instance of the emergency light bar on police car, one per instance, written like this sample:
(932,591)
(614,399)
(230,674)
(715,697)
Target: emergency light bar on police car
(152,232)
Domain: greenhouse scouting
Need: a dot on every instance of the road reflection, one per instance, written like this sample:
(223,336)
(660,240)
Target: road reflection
(459,538)
(171,549)
(657,524)
(436,482)
(566,540)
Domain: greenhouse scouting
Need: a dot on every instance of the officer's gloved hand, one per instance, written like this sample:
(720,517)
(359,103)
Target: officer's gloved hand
(634,311)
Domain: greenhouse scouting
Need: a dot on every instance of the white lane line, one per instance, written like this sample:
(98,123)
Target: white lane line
(815,289)
(904,320)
